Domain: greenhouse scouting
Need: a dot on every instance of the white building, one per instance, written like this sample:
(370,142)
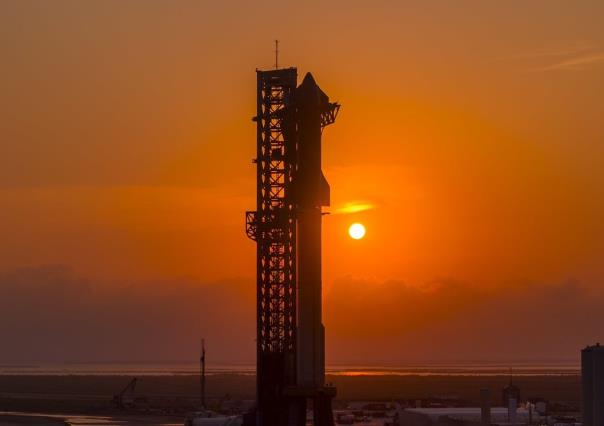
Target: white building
(499,415)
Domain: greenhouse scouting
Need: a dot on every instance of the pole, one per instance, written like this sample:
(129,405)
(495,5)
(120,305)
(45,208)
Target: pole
(202,377)
(276,54)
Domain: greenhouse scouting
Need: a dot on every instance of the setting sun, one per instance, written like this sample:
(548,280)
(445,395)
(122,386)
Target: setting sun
(356,231)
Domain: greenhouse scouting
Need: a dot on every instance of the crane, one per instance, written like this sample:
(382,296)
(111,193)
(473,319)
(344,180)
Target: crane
(126,399)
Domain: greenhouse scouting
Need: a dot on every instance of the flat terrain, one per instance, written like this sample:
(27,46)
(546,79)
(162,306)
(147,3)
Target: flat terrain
(14,420)
(178,394)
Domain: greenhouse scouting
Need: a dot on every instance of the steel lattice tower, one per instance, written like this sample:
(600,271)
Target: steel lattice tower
(273,227)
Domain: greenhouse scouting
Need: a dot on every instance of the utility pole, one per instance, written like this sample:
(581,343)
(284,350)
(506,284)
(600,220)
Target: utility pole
(202,376)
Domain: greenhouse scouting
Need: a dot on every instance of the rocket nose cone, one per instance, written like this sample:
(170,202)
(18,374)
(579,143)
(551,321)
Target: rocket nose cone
(309,92)
(308,80)
(309,86)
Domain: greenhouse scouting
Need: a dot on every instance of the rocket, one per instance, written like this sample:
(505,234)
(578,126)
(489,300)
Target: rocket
(310,192)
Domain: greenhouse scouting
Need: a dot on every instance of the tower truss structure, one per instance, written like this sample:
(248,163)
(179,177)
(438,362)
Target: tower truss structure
(273,227)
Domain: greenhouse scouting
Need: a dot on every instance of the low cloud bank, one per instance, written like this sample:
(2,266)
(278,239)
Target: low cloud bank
(446,320)
(49,314)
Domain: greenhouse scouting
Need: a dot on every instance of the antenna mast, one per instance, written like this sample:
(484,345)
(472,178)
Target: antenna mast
(276,54)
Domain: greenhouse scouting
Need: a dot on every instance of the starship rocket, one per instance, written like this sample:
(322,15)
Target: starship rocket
(311,192)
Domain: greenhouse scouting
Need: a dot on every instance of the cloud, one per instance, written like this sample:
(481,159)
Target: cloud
(447,320)
(570,57)
(577,63)
(557,51)
(49,314)
(354,207)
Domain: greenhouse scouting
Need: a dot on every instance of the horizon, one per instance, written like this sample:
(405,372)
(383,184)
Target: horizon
(133,368)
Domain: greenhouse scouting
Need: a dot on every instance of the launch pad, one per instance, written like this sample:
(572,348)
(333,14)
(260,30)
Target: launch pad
(286,226)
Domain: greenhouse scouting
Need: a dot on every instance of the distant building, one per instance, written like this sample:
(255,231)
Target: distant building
(592,380)
(485,407)
(512,410)
(473,415)
(511,391)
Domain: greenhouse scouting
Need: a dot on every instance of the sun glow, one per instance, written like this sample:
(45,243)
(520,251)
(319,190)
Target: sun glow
(356,231)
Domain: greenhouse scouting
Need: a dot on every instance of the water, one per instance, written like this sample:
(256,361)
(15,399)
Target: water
(171,369)
(92,420)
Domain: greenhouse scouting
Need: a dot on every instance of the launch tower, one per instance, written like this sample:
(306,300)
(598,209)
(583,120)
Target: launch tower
(286,226)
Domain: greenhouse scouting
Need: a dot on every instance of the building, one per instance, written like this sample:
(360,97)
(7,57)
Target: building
(592,380)
(511,391)
(485,407)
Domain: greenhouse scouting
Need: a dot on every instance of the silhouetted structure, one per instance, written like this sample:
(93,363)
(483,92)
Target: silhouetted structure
(126,398)
(511,391)
(202,375)
(592,380)
(485,407)
(287,229)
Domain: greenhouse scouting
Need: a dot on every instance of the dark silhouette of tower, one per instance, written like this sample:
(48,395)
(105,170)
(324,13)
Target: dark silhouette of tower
(511,391)
(286,226)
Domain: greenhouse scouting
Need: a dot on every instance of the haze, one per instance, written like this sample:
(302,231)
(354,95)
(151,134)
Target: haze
(470,136)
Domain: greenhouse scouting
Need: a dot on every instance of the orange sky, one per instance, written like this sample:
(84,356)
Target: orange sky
(472,127)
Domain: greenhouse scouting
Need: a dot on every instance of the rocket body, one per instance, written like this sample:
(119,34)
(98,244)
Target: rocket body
(311,192)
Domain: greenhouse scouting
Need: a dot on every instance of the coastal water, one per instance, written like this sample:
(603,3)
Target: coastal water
(166,369)
(51,419)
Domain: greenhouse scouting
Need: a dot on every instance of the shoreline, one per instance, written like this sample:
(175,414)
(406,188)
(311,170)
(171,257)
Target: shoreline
(343,370)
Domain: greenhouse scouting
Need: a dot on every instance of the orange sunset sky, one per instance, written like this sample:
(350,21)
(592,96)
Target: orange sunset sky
(472,132)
